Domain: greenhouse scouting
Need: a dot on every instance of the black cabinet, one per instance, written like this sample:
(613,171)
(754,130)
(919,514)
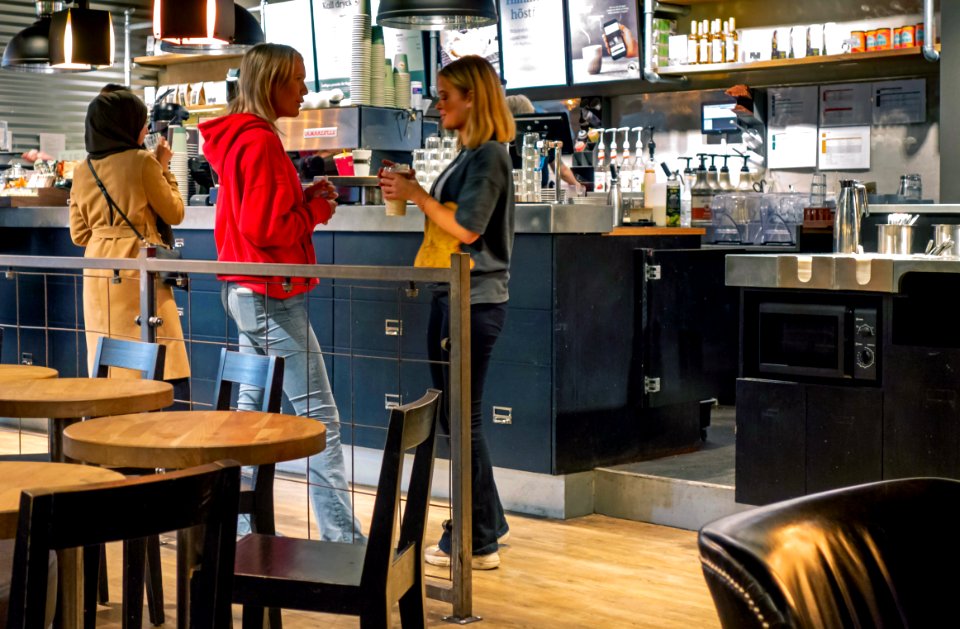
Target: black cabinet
(795,439)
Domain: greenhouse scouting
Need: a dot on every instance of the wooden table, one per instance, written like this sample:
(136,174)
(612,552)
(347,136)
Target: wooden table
(14,478)
(65,400)
(15,373)
(178,439)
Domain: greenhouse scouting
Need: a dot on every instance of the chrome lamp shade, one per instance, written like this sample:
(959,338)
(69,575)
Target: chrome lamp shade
(247,33)
(196,23)
(436,15)
(81,39)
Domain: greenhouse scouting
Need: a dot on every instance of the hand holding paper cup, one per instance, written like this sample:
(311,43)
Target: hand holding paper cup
(396,206)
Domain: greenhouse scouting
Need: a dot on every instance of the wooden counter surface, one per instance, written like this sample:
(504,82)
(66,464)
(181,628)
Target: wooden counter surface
(657,231)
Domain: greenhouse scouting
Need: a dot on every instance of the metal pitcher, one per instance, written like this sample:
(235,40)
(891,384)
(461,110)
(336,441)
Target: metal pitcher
(621,211)
(851,208)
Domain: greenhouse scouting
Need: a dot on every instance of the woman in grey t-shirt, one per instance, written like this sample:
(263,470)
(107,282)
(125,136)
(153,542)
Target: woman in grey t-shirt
(470,209)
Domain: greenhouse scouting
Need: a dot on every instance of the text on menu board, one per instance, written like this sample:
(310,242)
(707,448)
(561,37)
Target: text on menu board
(534,50)
(604,41)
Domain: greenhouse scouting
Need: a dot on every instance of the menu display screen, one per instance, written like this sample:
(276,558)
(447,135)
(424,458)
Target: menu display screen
(534,49)
(604,40)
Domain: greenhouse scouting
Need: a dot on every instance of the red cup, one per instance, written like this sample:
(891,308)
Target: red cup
(344,164)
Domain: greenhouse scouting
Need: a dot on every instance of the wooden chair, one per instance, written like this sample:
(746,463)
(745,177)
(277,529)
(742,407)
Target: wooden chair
(147,358)
(266,373)
(356,579)
(54,519)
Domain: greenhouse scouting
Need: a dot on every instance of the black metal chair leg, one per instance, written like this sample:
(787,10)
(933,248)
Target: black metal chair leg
(154,581)
(103,589)
(134,558)
(91,567)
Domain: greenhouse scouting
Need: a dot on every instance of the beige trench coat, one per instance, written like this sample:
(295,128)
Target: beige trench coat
(143,190)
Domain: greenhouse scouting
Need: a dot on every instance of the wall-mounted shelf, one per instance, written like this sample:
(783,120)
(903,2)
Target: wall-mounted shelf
(176,68)
(162,61)
(773,64)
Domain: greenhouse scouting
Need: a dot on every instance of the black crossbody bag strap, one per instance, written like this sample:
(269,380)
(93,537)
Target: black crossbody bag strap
(111,204)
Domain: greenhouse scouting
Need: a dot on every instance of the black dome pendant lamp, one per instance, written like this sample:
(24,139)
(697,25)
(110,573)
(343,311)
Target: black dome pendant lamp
(81,39)
(247,33)
(436,15)
(29,50)
(200,24)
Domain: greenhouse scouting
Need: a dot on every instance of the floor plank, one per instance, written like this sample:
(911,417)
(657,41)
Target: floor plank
(593,571)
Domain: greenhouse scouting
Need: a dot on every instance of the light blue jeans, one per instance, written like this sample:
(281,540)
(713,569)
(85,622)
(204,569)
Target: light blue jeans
(281,327)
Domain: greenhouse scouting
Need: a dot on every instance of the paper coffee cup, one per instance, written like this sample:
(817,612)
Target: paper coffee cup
(361,162)
(396,207)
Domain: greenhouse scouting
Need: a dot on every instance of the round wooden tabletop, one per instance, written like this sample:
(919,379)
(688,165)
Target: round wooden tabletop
(15,373)
(179,439)
(63,398)
(17,476)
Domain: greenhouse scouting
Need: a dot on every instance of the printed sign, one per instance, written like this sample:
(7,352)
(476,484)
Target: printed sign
(534,50)
(604,40)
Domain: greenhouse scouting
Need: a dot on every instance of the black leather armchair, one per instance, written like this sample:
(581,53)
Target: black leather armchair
(875,555)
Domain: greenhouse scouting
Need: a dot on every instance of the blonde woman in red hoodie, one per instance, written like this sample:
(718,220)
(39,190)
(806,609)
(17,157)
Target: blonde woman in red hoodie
(264,215)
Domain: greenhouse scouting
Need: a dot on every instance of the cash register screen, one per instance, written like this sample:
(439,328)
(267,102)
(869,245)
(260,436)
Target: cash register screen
(718,118)
(553,126)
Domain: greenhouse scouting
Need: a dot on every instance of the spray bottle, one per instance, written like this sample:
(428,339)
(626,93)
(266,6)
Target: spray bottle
(626,163)
(599,166)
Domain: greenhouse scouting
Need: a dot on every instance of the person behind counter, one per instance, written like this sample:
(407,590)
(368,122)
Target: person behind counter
(471,204)
(263,215)
(519,105)
(141,186)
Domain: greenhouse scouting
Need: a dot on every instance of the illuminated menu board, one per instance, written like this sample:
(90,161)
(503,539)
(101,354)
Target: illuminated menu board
(483,42)
(604,40)
(534,49)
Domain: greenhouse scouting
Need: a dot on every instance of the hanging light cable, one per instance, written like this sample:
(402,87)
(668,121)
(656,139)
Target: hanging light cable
(436,15)
(199,24)
(81,38)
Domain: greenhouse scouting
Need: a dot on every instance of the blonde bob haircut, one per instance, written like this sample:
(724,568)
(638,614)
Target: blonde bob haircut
(262,69)
(488,118)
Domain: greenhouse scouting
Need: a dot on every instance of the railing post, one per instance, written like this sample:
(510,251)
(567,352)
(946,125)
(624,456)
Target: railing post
(148,297)
(461,496)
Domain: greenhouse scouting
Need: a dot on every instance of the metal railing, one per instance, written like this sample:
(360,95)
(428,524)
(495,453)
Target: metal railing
(458,593)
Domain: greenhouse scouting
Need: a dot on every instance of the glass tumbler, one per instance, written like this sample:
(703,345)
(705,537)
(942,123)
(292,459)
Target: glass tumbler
(911,187)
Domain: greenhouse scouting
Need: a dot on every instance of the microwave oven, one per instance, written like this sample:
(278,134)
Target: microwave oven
(818,341)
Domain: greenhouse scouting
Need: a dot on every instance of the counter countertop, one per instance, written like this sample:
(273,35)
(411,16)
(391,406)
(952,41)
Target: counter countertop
(531,219)
(867,272)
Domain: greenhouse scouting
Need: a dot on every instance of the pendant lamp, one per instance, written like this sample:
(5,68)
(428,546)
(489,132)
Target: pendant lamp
(247,33)
(29,50)
(436,15)
(81,38)
(196,23)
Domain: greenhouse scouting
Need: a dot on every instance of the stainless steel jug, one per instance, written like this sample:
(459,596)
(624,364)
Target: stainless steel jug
(615,198)
(851,208)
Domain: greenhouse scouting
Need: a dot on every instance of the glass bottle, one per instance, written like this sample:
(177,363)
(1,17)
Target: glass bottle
(693,45)
(704,55)
(735,35)
(716,42)
(599,166)
(730,43)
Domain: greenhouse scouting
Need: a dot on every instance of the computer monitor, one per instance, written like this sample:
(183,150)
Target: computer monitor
(717,118)
(554,125)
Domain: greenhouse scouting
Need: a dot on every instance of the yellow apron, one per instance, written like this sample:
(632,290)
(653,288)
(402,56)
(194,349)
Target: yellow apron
(438,245)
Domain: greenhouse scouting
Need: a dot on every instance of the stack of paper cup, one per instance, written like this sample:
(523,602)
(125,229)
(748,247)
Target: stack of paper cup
(402,87)
(389,90)
(179,163)
(360,61)
(375,63)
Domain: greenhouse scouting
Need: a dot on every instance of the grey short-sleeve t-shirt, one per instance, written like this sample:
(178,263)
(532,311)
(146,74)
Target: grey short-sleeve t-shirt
(480,182)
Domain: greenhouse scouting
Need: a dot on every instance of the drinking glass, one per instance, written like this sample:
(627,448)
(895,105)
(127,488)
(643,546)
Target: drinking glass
(911,187)
(150,141)
(818,190)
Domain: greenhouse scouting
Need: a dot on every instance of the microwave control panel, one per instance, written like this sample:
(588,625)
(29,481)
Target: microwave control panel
(865,344)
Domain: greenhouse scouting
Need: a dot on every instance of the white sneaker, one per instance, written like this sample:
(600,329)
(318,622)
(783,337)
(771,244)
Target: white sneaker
(436,557)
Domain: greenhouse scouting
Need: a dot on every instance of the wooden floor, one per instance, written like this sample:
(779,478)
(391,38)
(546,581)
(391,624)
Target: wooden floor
(593,571)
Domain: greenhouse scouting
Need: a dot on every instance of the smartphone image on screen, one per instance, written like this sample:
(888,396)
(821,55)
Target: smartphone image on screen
(614,38)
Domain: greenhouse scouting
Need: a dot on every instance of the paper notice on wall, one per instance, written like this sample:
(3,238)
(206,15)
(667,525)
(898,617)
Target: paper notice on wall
(53,144)
(792,127)
(900,102)
(844,148)
(845,105)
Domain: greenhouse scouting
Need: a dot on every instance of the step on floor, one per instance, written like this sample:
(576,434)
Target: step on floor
(684,491)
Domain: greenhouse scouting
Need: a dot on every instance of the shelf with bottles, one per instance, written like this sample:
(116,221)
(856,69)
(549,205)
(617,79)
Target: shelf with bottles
(857,57)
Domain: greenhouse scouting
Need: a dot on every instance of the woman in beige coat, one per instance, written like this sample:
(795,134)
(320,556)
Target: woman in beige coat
(143,187)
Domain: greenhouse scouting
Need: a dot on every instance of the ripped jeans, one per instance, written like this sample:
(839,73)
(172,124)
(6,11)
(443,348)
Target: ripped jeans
(281,327)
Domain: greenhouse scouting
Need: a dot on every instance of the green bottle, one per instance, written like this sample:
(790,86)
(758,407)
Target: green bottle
(673,196)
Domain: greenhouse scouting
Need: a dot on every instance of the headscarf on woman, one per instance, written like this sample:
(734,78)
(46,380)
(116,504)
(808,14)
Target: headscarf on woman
(114,122)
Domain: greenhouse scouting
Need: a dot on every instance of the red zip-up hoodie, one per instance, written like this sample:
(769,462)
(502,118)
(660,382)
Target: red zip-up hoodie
(262,215)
